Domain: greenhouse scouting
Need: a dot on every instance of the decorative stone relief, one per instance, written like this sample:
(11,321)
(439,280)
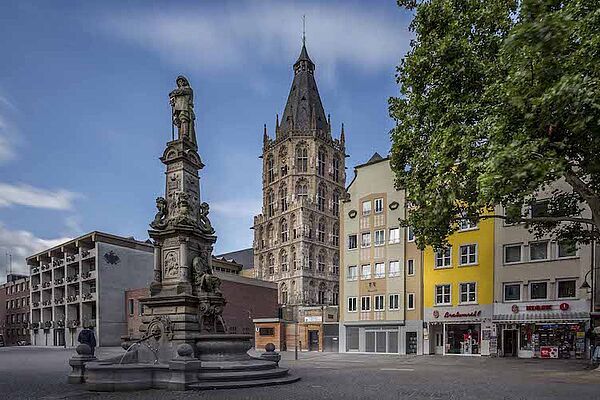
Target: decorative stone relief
(171,264)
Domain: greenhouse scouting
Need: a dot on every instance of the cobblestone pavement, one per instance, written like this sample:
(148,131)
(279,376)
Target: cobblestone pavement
(39,373)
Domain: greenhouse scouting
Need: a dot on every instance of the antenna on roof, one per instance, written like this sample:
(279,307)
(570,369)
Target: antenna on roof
(303,30)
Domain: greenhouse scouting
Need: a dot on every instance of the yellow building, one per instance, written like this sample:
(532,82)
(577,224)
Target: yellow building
(458,284)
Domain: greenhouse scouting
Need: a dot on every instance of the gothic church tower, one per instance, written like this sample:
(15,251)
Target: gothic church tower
(297,236)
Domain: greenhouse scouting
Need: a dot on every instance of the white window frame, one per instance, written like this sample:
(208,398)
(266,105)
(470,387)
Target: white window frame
(460,293)
(362,269)
(355,277)
(465,225)
(558,281)
(394,238)
(355,242)
(362,303)
(410,263)
(443,285)
(375,203)
(381,298)
(512,284)
(565,257)
(460,255)
(410,234)
(436,257)
(530,291)
(394,302)
(366,211)
(381,273)
(381,233)
(547,250)
(393,273)
(352,304)
(504,253)
(410,296)
(362,241)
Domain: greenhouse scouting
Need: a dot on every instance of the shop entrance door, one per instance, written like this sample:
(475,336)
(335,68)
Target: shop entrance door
(313,340)
(411,342)
(510,342)
(438,343)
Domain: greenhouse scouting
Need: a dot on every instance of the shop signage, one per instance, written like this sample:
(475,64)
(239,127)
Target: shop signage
(539,307)
(515,308)
(457,314)
(564,306)
(548,352)
(313,318)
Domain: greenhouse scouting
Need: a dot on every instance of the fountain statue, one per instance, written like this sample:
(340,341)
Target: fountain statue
(183,342)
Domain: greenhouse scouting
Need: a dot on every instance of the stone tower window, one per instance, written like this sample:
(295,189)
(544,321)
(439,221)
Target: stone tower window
(293,257)
(302,158)
(336,203)
(321,261)
(283,198)
(270,169)
(270,203)
(321,230)
(321,293)
(301,190)
(336,264)
(283,260)
(321,197)
(335,234)
(283,229)
(271,264)
(336,169)
(284,294)
(321,162)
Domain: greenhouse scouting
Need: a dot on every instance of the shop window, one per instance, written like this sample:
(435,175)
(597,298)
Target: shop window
(463,338)
(468,292)
(566,289)
(442,295)
(352,338)
(352,242)
(567,248)
(351,304)
(512,291)
(410,301)
(410,234)
(365,271)
(512,253)
(443,257)
(365,303)
(378,206)
(538,251)
(379,237)
(468,254)
(379,303)
(394,301)
(394,268)
(131,310)
(352,272)
(379,270)
(394,235)
(365,239)
(266,331)
(410,267)
(366,208)
(538,290)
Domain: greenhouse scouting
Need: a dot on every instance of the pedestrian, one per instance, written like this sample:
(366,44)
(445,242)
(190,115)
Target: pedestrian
(86,336)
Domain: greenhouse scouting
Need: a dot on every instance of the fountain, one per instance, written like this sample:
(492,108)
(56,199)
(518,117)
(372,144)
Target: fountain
(183,342)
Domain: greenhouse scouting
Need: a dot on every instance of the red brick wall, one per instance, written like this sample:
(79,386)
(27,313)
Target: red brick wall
(134,320)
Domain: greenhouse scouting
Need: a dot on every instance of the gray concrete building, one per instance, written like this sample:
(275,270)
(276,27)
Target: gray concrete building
(81,283)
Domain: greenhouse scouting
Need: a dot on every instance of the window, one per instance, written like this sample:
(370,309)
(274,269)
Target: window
(266,331)
(410,234)
(336,203)
(283,227)
(378,206)
(131,308)
(336,265)
(284,297)
(443,257)
(335,298)
(366,208)
(379,238)
(321,297)
(321,230)
(379,270)
(538,250)
(539,209)
(302,159)
(321,198)
(394,268)
(365,239)
(512,253)
(365,271)
(394,302)
(468,293)
(468,254)
(270,169)
(512,292)
(442,295)
(321,162)
(352,242)
(410,301)
(394,235)
(271,264)
(566,248)
(410,267)
(336,169)
(335,234)
(321,262)
(566,289)
(351,304)
(270,204)
(365,303)
(283,198)
(301,191)
(465,225)
(379,303)
(352,273)
(538,290)
(284,260)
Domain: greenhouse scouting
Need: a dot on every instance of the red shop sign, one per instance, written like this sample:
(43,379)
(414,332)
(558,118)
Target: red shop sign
(539,307)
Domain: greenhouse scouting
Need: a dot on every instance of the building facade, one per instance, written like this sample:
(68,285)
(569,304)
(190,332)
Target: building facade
(458,284)
(541,309)
(296,237)
(380,289)
(14,310)
(81,283)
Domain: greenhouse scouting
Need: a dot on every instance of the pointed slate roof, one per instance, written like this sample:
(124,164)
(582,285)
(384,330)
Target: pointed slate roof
(303,110)
(374,158)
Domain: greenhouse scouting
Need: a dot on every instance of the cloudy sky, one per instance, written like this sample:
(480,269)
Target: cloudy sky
(84,111)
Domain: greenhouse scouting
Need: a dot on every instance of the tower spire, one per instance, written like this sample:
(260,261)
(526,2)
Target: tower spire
(304,30)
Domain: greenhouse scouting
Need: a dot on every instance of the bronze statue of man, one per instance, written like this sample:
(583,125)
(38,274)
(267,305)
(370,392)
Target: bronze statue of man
(182,103)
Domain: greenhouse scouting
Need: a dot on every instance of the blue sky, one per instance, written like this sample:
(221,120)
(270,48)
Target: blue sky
(84,111)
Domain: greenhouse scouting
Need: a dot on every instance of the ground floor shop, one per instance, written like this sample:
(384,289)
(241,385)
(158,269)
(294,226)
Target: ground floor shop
(393,337)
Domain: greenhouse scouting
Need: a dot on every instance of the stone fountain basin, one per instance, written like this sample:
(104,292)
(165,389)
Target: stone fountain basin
(224,347)
(110,377)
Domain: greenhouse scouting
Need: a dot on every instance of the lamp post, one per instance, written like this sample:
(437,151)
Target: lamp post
(590,289)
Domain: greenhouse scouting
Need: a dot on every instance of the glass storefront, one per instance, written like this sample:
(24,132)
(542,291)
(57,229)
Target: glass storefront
(553,340)
(463,338)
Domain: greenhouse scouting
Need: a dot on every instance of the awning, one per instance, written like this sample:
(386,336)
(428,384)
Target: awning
(543,317)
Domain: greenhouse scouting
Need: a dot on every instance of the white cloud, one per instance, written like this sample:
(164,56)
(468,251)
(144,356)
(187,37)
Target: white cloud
(8,132)
(223,38)
(21,244)
(25,195)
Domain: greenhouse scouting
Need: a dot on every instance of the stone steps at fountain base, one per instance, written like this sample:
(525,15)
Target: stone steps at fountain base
(243,375)
(246,365)
(244,383)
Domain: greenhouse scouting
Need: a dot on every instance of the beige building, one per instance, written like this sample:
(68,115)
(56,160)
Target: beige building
(380,291)
(540,309)
(296,237)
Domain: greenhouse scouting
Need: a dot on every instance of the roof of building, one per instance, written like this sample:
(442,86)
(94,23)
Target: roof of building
(375,158)
(304,110)
(245,257)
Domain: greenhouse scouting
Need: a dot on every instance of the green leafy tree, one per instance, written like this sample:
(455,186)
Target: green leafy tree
(498,100)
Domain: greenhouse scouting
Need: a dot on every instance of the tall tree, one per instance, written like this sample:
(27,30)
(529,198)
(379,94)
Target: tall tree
(499,99)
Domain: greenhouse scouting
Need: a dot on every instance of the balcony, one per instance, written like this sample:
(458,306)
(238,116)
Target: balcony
(88,275)
(73,258)
(35,287)
(46,303)
(88,254)
(88,296)
(73,298)
(59,281)
(35,326)
(45,267)
(72,278)
(89,323)
(35,304)
(59,300)
(60,323)
(47,324)
(35,270)
(72,324)
(46,285)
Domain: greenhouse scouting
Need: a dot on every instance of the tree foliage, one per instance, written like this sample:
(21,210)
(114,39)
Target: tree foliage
(499,99)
